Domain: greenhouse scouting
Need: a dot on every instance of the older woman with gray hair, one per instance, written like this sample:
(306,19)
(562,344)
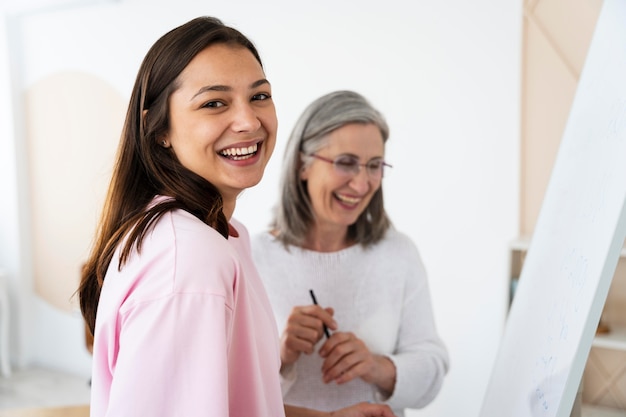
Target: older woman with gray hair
(372,337)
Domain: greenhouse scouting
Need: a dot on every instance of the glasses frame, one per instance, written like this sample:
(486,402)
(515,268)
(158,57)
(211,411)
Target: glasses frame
(338,167)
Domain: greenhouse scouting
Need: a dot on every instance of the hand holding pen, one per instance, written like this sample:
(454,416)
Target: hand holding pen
(326,332)
(306,325)
(346,357)
(354,360)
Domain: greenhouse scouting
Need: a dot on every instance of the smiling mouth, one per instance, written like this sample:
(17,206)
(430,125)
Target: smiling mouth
(347,200)
(240,154)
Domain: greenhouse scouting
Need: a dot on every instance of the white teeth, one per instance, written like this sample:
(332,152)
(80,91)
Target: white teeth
(348,200)
(234,152)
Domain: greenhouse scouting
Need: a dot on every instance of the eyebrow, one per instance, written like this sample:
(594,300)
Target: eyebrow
(373,158)
(218,87)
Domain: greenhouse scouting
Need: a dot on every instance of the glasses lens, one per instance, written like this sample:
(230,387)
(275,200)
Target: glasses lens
(347,165)
(375,167)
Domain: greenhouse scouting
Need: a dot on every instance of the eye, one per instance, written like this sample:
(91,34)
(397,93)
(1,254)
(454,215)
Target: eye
(375,164)
(261,96)
(213,104)
(346,162)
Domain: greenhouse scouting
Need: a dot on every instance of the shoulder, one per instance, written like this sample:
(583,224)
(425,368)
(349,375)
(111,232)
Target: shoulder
(395,240)
(179,255)
(269,253)
(264,242)
(196,246)
(185,224)
(398,249)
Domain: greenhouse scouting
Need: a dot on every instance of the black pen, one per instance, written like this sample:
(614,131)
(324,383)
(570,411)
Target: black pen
(315,302)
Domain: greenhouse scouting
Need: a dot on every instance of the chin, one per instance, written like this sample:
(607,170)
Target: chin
(251,181)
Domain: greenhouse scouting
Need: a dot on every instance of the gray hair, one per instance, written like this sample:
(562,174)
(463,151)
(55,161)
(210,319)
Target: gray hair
(293,215)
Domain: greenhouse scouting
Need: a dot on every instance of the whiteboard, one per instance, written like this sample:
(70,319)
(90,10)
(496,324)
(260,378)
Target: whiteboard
(575,246)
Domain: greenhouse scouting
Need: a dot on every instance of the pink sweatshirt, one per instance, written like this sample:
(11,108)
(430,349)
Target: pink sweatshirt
(186,329)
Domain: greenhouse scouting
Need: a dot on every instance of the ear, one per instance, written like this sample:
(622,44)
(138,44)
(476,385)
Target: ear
(143,118)
(163,140)
(303,170)
(304,173)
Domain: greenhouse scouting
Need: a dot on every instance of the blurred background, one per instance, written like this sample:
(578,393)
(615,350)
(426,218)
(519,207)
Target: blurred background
(446,74)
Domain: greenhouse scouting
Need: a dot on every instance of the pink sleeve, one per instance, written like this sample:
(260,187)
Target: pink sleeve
(182,339)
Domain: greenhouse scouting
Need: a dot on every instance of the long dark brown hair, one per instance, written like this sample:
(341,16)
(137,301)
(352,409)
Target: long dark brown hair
(144,168)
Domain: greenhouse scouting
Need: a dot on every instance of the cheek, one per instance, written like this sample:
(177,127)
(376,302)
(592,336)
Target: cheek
(320,185)
(316,192)
(271,124)
(370,196)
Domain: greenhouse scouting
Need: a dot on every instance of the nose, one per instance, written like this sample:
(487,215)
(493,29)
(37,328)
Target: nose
(361,181)
(245,118)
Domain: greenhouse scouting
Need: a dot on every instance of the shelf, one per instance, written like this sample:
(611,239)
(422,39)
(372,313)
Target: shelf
(615,340)
(522,244)
(595,411)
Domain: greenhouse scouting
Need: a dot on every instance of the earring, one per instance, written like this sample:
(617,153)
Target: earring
(164,143)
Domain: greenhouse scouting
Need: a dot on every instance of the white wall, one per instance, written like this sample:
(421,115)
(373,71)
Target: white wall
(445,73)
(13,230)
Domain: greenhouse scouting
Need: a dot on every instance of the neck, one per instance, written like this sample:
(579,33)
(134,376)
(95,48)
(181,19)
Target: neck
(327,240)
(228,209)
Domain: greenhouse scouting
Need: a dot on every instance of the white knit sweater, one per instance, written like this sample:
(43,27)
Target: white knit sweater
(380,294)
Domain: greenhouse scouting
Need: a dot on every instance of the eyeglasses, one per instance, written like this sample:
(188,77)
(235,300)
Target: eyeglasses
(350,165)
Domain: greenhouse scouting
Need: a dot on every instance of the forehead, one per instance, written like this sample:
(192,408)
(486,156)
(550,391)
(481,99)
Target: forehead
(360,139)
(221,63)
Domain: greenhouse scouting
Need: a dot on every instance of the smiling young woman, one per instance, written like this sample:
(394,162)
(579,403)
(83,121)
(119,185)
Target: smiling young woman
(181,321)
